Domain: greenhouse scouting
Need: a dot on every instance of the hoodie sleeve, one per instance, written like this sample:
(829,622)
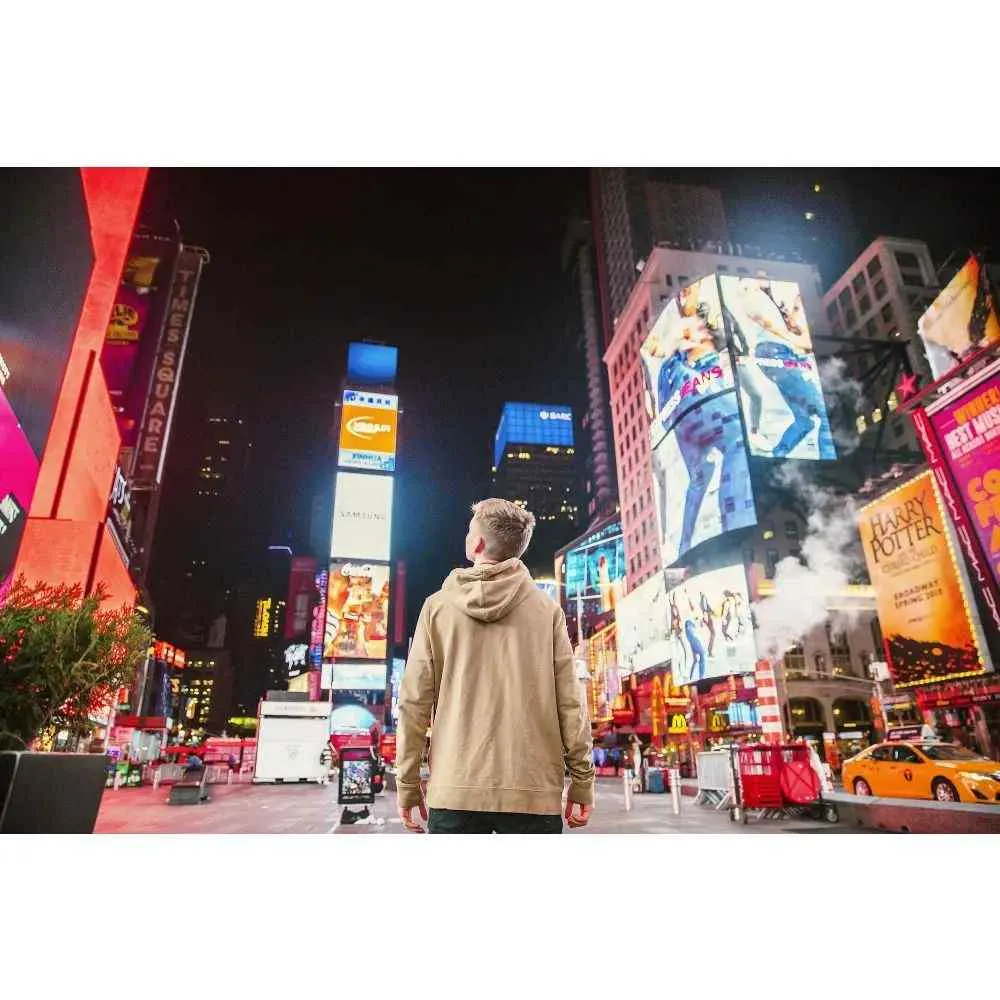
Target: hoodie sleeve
(416,699)
(574,723)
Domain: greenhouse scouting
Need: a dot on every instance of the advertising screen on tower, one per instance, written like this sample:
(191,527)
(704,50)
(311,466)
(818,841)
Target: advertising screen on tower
(963,318)
(533,423)
(701,627)
(368,431)
(594,574)
(362,516)
(779,382)
(701,477)
(359,676)
(46,257)
(371,365)
(684,357)
(920,596)
(357,611)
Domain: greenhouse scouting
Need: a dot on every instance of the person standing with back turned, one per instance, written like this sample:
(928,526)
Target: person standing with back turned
(491,659)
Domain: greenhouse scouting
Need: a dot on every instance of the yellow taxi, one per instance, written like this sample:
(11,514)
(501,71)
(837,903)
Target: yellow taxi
(923,769)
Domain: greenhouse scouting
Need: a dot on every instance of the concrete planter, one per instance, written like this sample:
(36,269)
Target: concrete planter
(50,792)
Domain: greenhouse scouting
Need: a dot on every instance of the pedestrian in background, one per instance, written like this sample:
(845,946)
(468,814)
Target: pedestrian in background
(492,660)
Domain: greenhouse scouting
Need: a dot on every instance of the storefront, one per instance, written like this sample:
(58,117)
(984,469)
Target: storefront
(966,712)
(853,725)
(806,722)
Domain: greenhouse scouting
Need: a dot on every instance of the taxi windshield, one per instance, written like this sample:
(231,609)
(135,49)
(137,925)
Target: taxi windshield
(947,751)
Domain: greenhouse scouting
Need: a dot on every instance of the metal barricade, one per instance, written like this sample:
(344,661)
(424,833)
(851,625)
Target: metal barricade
(167,772)
(715,780)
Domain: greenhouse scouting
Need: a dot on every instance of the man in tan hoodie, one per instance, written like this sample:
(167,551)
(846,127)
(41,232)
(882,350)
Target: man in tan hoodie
(492,664)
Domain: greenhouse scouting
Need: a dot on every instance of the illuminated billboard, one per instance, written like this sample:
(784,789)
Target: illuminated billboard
(701,627)
(368,431)
(684,357)
(920,598)
(778,376)
(961,319)
(371,364)
(362,517)
(301,586)
(357,611)
(701,477)
(134,328)
(592,575)
(359,676)
(533,423)
(46,258)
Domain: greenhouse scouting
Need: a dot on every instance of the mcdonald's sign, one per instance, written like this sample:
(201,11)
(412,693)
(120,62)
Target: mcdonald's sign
(678,724)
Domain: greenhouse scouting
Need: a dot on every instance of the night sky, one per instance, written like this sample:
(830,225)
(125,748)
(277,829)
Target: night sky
(458,268)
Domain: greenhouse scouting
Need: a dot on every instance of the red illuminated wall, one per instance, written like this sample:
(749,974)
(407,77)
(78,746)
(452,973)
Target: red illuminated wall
(65,540)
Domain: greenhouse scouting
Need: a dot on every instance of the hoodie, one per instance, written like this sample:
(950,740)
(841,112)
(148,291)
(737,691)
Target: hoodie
(492,664)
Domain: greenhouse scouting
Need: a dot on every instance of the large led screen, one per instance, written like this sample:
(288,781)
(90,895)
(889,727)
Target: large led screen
(362,517)
(371,364)
(368,431)
(359,676)
(357,611)
(594,575)
(778,376)
(533,423)
(701,477)
(684,357)
(962,318)
(46,259)
(920,596)
(701,627)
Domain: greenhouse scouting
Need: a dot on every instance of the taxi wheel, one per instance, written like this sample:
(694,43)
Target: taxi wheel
(944,791)
(862,788)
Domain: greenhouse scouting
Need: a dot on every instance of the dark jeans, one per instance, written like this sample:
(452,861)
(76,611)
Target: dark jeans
(465,821)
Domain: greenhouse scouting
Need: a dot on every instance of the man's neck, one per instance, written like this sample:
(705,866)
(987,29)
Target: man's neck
(484,561)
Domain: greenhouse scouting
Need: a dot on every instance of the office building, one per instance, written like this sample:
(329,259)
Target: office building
(876,303)
(631,212)
(665,272)
(534,464)
(591,397)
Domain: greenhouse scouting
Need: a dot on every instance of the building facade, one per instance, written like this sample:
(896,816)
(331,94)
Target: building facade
(877,301)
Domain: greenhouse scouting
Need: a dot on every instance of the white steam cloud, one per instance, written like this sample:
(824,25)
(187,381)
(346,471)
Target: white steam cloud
(803,589)
(845,398)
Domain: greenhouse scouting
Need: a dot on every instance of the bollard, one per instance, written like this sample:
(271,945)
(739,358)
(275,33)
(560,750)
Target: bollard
(675,789)
(628,791)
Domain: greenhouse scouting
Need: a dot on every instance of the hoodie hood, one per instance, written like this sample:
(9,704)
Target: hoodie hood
(488,593)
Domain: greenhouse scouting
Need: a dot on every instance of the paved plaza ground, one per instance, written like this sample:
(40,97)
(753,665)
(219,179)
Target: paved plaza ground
(313,809)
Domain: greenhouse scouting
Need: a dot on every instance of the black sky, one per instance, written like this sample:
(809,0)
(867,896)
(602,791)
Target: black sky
(461,270)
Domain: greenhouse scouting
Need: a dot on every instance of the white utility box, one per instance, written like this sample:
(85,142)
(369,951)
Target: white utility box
(291,737)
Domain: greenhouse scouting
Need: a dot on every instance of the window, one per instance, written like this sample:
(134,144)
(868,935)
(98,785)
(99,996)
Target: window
(670,281)
(864,304)
(883,753)
(791,529)
(874,266)
(904,755)
(858,284)
(880,290)
(682,279)
(887,312)
(907,261)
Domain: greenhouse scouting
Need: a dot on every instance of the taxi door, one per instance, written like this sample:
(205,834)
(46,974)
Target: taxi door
(906,774)
(875,770)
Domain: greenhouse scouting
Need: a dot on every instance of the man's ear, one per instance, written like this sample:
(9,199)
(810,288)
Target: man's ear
(480,546)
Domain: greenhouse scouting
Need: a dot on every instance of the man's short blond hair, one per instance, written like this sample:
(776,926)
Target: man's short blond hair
(506,527)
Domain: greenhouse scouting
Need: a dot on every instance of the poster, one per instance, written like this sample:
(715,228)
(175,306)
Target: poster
(701,627)
(920,599)
(368,422)
(355,786)
(961,319)
(357,611)
(701,478)
(968,429)
(782,395)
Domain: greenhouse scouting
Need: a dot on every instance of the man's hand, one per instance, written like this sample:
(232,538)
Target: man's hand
(406,815)
(580,818)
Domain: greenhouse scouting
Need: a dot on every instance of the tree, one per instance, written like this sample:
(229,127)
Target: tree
(62,656)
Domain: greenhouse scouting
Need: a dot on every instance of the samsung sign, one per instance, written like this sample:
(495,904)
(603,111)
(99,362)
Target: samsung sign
(533,423)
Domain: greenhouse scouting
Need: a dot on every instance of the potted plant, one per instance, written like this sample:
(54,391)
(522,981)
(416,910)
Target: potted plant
(62,656)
